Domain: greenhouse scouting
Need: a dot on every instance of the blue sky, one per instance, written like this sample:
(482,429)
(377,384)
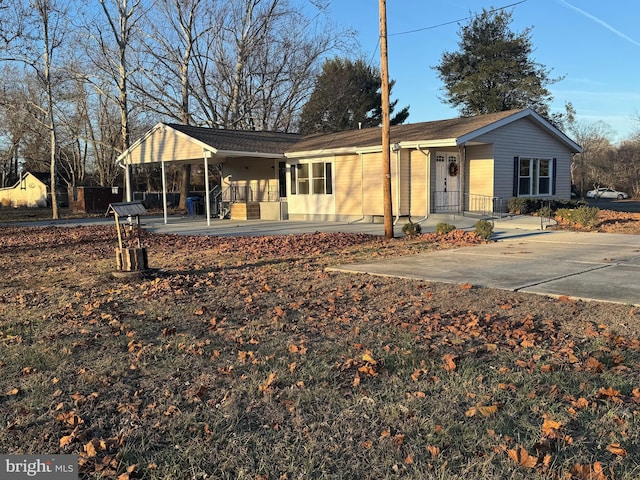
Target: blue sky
(594,44)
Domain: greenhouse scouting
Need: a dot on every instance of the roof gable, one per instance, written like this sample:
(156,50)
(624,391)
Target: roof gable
(456,131)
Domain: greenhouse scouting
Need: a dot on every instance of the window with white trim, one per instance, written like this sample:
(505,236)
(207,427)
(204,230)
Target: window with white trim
(313,178)
(534,177)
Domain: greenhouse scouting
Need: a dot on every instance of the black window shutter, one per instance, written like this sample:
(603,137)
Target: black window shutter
(553,178)
(516,175)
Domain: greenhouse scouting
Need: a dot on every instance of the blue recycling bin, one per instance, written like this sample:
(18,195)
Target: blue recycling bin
(191,205)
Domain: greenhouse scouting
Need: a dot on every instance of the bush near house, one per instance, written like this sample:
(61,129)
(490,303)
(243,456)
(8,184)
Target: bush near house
(484,229)
(527,206)
(443,228)
(411,229)
(582,216)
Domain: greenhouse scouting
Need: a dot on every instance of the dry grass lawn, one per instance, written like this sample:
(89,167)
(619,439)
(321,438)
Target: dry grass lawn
(244,358)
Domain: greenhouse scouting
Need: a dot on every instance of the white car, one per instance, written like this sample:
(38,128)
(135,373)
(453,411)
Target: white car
(603,192)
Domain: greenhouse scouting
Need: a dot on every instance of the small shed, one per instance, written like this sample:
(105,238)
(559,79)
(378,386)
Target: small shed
(130,254)
(29,191)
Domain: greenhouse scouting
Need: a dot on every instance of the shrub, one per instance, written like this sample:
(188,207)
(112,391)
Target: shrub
(411,229)
(516,205)
(484,229)
(443,228)
(584,216)
(546,212)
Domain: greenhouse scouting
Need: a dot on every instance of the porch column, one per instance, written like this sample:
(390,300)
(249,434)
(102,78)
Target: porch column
(206,156)
(164,192)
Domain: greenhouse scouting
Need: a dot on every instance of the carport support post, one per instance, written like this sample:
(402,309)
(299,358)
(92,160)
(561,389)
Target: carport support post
(164,192)
(206,156)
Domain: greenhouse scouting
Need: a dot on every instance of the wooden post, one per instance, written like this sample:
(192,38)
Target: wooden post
(386,143)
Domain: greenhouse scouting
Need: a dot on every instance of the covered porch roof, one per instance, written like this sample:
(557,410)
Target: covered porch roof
(168,142)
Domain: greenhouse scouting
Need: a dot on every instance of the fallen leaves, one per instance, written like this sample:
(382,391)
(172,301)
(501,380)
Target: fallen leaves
(272,331)
(483,410)
(448,362)
(522,458)
(267,386)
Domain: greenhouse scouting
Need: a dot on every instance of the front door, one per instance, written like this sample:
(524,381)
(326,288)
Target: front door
(447,191)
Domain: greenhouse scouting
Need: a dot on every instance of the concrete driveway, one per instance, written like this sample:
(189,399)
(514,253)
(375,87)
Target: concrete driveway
(588,266)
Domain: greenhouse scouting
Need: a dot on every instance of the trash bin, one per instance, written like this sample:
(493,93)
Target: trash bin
(194,206)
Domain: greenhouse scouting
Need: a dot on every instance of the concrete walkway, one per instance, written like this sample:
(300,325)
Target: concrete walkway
(587,266)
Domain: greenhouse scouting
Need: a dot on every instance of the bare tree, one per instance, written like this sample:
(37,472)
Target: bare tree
(258,70)
(590,167)
(167,80)
(114,33)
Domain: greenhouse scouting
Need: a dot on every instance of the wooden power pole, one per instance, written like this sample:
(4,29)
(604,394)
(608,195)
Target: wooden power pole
(386,144)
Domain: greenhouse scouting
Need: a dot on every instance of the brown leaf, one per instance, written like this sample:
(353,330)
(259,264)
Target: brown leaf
(267,385)
(448,362)
(588,472)
(594,365)
(487,410)
(466,286)
(433,450)
(617,450)
(90,449)
(522,458)
(609,392)
(550,427)
(66,440)
(368,358)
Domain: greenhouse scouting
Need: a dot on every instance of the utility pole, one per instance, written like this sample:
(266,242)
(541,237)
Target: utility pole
(386,144)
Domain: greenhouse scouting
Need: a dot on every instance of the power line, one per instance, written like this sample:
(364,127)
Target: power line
(456,21)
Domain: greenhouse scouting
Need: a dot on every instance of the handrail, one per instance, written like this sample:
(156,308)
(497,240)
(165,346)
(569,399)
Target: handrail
(484,205)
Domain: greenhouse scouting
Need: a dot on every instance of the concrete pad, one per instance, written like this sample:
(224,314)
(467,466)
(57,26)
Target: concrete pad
(589,266)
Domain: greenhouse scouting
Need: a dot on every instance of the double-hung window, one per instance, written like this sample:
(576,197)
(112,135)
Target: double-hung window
(313,178)
(534,176)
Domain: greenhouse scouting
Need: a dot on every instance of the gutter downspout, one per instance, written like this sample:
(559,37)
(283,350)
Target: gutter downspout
(361,190)
(463,165)
(396,147)
(164,191)
(428,183)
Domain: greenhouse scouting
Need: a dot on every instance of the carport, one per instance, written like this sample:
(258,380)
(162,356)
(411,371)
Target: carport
(231,149)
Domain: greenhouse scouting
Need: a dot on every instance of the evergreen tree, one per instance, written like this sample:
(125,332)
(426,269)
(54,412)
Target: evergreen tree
(494,71)
(346,95)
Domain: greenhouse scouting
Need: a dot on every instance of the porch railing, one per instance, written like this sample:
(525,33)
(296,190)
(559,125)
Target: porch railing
(484,205)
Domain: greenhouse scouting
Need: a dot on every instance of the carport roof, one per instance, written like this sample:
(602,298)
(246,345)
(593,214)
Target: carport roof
(240,140)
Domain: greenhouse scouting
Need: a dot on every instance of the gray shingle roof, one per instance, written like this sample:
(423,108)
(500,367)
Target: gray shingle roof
(424,131)
(240,140)
(279,143)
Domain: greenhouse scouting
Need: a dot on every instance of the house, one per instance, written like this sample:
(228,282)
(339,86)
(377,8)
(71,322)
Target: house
(29,191)
(462,164)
